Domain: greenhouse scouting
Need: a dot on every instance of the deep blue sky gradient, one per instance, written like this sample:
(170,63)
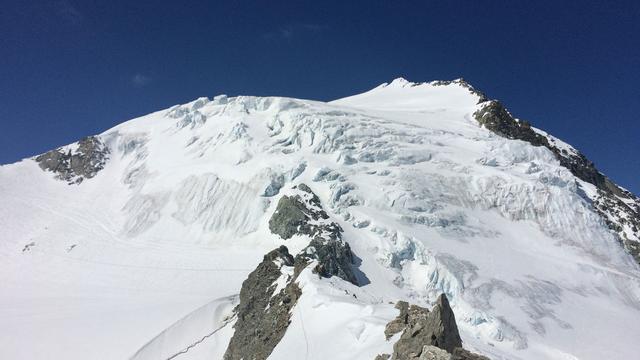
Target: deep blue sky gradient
(73,68)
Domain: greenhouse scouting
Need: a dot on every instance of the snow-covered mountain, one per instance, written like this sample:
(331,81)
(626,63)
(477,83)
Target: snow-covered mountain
(135,243)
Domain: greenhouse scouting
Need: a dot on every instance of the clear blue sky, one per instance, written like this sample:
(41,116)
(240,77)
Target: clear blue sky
(72,68)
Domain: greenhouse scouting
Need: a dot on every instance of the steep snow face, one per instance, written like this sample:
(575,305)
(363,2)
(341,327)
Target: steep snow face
(429,201)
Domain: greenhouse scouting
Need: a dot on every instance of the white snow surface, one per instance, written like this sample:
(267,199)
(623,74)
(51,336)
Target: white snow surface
(143,261)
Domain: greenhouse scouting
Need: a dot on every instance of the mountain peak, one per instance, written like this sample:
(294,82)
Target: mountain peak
(400,82)
(405,95)
(396,195)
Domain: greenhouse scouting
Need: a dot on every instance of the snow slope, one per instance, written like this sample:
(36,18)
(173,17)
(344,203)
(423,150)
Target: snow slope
(143,260)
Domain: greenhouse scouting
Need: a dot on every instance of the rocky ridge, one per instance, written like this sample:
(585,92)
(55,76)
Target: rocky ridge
(302,214)
(75,165)
(618,208)
(426,334)
(266,299)
(270,292)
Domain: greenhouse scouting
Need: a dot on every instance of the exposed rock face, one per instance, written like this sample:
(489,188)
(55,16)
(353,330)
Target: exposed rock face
(74,166)
(437,328)
(264,315)
(462,354)
(619,208)
(426,335)
(622,216)
(496,118)
(443,323)
(334,258)
(400,322)
(265,305)
(302,214)
(430,352)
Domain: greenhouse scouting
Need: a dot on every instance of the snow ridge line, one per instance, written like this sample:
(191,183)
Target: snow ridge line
(191,346)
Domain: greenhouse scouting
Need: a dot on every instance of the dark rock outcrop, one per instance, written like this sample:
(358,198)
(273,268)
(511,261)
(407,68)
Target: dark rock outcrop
(462,354)
(73,167)
(609,205)
(334,258)
(423,329)
(302,214)
(400,322)
(264,315)
(495,117)
(437,328)
(264,312)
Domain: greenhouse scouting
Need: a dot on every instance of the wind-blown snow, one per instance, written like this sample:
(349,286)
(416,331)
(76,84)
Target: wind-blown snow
(130,263)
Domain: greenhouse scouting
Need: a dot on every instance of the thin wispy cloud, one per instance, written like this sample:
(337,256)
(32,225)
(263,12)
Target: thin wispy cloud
(68,12)
(139,80)
(289,32)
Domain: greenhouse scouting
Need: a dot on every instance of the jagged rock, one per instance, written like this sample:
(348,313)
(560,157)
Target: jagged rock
(299,214)
(302,214)
(421,327)
(617,213)
(443,325)
(462,354)
(263,315)
(74,166)
(399,323)
(383,357)
(495,117)
(334,258)
(430,352)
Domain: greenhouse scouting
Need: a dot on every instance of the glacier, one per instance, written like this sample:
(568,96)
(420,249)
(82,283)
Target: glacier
(144,257)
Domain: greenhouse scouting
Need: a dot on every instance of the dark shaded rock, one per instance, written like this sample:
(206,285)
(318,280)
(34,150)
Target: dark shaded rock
(74,166)
(497,119)
(302,214)
(383,357)
(462,354)
(334,258)
(263,315)
(421,327)
(443,325)
(299,214)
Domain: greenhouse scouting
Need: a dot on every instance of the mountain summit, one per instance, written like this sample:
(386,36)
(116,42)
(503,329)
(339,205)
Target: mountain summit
(412,221)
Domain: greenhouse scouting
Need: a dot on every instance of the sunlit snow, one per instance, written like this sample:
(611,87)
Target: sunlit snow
(143,261)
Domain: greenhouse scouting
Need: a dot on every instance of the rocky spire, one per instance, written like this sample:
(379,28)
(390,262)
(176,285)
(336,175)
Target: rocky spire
(426,334)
